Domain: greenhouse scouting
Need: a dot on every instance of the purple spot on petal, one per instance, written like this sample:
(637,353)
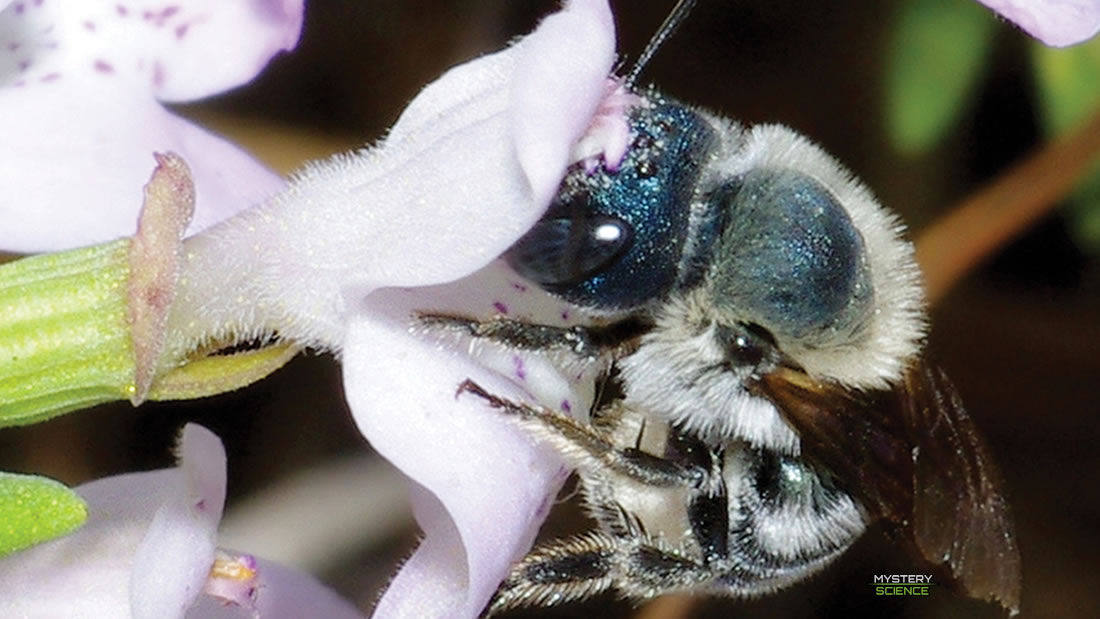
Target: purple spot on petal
(19,8)
(544,508)
(158,74)
(520,287)
(89,26)
(159,18)
(500,307)
(38,2)
(103,66)
(13,46)
(121,10)
(565,314)
(521,371)
(181,30)
(201,505)
(566,407)
(24,65)
(50,77)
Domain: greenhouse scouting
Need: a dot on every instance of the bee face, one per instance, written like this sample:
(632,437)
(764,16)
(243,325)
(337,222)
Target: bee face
(618,240)
(755,231)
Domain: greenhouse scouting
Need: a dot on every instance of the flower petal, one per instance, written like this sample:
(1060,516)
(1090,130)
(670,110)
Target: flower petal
(178,51)
(88,573)
(174,558)
(1057,23)
(463,453)
(77,88)
(460,451)
(80,182)
(558,87)
(467,459)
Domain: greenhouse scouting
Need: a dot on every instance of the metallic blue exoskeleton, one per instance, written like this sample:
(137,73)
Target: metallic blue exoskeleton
(775,245)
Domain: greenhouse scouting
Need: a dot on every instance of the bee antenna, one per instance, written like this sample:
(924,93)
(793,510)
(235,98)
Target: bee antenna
(667,29)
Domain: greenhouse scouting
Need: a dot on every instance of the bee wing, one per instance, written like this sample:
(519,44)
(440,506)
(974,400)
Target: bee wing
(915,459)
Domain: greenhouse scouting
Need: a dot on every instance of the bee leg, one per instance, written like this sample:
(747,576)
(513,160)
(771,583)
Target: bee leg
(581,567)
(561,571)
(587,448)
(587,342)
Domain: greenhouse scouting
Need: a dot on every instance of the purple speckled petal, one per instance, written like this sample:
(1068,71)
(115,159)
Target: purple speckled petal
(90,573)
(1057,23)
(77,95)
(461,452)
(467,459)
(175,50)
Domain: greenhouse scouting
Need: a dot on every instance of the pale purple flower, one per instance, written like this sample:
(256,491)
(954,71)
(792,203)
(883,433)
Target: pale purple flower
(81,87)
(147,552)
(361,242)
(1057,23)
(342,258)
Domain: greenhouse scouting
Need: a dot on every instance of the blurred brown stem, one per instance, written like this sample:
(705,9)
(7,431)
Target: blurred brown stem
(958,241)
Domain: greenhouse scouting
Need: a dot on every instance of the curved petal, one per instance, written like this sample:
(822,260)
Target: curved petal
(458,449)
(88,573)
(173,560)
(1057,23)
(176,51)
(80,182)
(558,87)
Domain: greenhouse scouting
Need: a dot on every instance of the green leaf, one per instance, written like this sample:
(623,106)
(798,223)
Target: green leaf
(36,509)
(935,58)
(1068,81)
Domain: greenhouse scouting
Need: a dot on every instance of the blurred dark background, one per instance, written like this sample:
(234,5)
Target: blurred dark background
(1019,335)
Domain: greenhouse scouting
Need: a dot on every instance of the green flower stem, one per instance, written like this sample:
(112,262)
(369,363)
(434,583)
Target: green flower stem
(66,341)
(64,337)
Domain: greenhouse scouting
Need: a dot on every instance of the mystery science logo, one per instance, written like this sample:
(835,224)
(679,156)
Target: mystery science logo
(902,584)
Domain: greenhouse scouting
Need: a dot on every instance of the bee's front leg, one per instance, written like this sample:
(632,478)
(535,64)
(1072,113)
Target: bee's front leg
(586,342)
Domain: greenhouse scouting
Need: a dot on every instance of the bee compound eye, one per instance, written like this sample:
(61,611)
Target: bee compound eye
(561,251)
